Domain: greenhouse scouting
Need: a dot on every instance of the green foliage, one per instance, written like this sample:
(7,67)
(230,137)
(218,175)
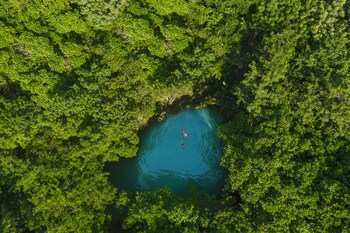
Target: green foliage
(99,12)
(184,37)
(79,78)
(281,149)
(51,198)
(63,115)
(163,212)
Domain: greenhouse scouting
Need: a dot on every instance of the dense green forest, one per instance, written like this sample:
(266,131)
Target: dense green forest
(79,78)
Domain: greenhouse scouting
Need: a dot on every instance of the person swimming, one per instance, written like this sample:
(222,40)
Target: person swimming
(184,133)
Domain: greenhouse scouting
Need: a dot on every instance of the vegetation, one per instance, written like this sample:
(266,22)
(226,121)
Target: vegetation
(79,78)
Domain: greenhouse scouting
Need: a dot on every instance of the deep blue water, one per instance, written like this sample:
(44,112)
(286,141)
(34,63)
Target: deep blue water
(168,159)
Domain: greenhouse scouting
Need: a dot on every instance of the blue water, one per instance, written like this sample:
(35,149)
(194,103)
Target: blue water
(168,159)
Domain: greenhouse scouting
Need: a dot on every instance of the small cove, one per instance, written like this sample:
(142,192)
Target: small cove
(166,158)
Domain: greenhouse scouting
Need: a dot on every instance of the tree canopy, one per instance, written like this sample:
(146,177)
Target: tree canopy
(79,78)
